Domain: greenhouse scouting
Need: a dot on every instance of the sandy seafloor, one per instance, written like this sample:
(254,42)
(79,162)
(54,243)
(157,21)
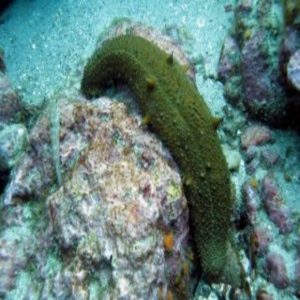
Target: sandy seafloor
(47,42)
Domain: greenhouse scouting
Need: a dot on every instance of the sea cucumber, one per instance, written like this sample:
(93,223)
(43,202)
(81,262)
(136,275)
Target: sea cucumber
(177,113)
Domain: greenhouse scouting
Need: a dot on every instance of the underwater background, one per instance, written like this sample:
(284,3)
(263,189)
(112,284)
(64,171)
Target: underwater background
(115,198)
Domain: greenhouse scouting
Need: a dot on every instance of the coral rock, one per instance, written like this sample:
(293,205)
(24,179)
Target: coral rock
(260,240)
(252,200)
(111,208)
(13,141)
(251,153)
(263,295)
(11,262)
(255,135)
(229,60)
(293,70)
(233,158)
(297,277)
(33,175)
(252,79)
(11,109)
(228,69)
(277,211)
(276,270)
(270,157)
(121,194)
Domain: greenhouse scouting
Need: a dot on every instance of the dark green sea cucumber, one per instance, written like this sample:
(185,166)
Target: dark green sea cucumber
(179,116)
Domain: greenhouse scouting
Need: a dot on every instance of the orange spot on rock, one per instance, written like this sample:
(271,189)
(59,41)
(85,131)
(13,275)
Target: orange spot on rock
(169,241)
(185,268)
(170,295)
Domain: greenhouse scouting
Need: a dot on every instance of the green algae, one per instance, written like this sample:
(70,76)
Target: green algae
(292,12)
(179,116)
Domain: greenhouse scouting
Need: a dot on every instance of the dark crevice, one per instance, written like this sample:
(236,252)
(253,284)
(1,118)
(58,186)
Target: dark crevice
(4,4)
(4,177)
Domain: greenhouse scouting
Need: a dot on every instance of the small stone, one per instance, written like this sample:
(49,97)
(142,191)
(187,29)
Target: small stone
(276,270)
(255,135)
(233,157)
(13,141)
(290,43)
(233,160)
(297,277)
(12,262)
(229,60)
(251,153)
(252,166)
(4,83)
(11,108)
(35,173)
(245,6)
(274,205)
(228,8)
(270,157)
(261,294)
(260,240)
(293,70)
(81,275)
(251,198)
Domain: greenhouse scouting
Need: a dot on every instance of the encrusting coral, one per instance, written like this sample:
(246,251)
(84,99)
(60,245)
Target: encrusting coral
(178,115)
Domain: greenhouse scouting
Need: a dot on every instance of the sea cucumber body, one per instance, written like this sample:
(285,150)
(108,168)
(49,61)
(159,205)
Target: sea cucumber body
(179,116)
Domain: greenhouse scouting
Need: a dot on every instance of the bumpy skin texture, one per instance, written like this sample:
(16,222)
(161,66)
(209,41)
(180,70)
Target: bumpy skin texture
(176,112)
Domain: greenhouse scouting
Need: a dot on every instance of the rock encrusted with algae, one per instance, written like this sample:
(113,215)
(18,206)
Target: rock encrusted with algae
(13,134)
(13,141)
(293,70)
(11,110)
(254,59)
(111,221)
(35,173)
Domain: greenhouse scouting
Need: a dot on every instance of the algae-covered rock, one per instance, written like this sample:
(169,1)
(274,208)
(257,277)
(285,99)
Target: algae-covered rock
(292,12)
(118,225)
(13,134)
(230,59)
(257,84)
(33,175)
(11,108)
(109,211)
(263,94)
(229,70)
(176,112)
(13,142)
(293,70)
